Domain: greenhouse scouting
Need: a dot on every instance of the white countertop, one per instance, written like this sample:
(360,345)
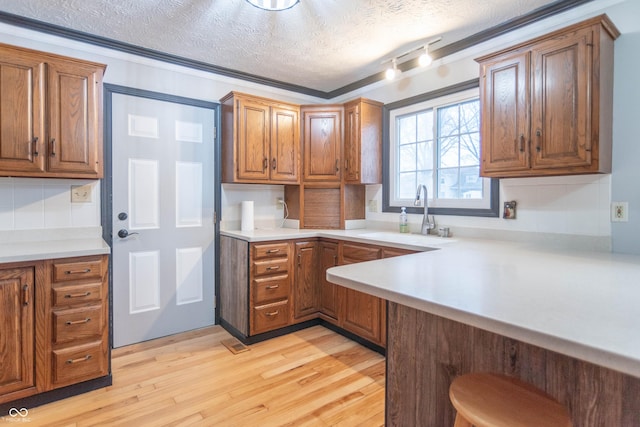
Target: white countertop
(581,304)
(16,247)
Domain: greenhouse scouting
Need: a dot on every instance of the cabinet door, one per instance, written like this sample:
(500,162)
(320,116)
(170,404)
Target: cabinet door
(363,315)
(22,131)
(305,292)
(322,142)
(328,291)
(561,114)
(285,143)
(253,139)
(75,123)
(504,95)
(16,330)
(352,143)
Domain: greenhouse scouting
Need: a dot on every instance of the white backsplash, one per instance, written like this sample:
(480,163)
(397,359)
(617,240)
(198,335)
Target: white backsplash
(574,205)
(266,212)
(45,204)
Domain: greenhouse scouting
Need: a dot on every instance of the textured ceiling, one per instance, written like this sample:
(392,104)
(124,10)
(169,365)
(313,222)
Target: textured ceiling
(318,44)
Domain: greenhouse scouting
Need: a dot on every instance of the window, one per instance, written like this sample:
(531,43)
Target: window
(435,141)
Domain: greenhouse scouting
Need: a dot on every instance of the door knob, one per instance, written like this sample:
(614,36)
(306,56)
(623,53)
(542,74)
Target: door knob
(122,216)
(125,233)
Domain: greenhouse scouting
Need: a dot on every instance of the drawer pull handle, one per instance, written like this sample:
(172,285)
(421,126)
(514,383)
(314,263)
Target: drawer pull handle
(85,271)
(273,313)
(274,267)
(78,360)
(86,294)
(78,322)
(273,251)
(273,287)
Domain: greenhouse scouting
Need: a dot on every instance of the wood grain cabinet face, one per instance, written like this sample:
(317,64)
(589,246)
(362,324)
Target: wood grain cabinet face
(17,333)
(306,291)
(261,140)
(547,104)
(322,143)
(270,286)
(363,142)
(329,298)
(78,320)
(51,115)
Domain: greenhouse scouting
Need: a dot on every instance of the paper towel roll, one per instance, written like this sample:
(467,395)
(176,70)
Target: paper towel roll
(246,221)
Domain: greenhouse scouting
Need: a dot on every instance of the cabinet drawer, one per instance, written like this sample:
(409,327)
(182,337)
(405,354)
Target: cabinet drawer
(78,324)
(270,266)
(271,289)
(271,316)
(65,271)
(270,250)
(78,363)
(77,294)
(358,253)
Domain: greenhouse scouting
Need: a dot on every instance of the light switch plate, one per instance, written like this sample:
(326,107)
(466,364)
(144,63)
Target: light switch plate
(81,193)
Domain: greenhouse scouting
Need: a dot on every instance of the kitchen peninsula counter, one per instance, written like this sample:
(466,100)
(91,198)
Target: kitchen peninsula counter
(565,320)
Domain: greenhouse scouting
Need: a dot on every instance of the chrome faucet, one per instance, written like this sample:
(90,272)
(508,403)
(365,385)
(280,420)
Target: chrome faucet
(427,223)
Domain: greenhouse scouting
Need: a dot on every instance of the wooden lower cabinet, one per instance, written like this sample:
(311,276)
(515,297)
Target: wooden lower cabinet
(17,332)
(54,324)
(306,291)
(329,298)
(287,285)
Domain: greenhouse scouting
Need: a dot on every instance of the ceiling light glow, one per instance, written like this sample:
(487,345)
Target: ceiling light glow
(274,5)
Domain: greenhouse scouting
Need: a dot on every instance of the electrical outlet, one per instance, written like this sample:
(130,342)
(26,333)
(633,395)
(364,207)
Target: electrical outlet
(81,193)
(279,203)
(373,205)
(619,211)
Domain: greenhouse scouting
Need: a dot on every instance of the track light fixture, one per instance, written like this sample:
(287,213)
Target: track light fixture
(424,60)
(392,71)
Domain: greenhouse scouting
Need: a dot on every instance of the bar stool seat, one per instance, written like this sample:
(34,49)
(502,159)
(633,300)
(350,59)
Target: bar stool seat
(491,400)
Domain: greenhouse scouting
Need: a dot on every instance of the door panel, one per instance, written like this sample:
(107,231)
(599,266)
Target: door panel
(163,204)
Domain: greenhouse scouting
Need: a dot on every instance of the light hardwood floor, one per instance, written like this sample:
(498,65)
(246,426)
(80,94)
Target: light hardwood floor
(313,377)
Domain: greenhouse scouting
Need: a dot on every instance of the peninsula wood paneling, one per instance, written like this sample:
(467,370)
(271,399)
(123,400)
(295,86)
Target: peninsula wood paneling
(426,352)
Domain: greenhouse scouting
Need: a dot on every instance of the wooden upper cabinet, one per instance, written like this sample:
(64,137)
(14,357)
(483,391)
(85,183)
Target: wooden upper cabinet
(22,98)
(285,144)
(547,104)
(51,115)
(505,113)
(75,119)
(261,140)
(322,142)
(363,142)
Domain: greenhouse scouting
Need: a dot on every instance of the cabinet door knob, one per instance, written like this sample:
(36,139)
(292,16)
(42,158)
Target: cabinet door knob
(25,295)
(273,163)
(53,147)
(522,143)
(265,163)
(337,165)
(538,135)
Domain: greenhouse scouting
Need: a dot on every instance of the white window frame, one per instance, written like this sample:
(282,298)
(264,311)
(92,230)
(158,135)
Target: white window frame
(434,202)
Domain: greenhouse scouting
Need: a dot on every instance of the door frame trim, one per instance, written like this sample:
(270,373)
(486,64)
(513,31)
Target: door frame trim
(106,189)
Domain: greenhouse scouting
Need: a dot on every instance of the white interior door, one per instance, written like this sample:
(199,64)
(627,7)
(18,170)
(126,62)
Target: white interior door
(163,206)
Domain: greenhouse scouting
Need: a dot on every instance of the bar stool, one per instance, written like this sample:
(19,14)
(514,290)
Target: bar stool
(490,400)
